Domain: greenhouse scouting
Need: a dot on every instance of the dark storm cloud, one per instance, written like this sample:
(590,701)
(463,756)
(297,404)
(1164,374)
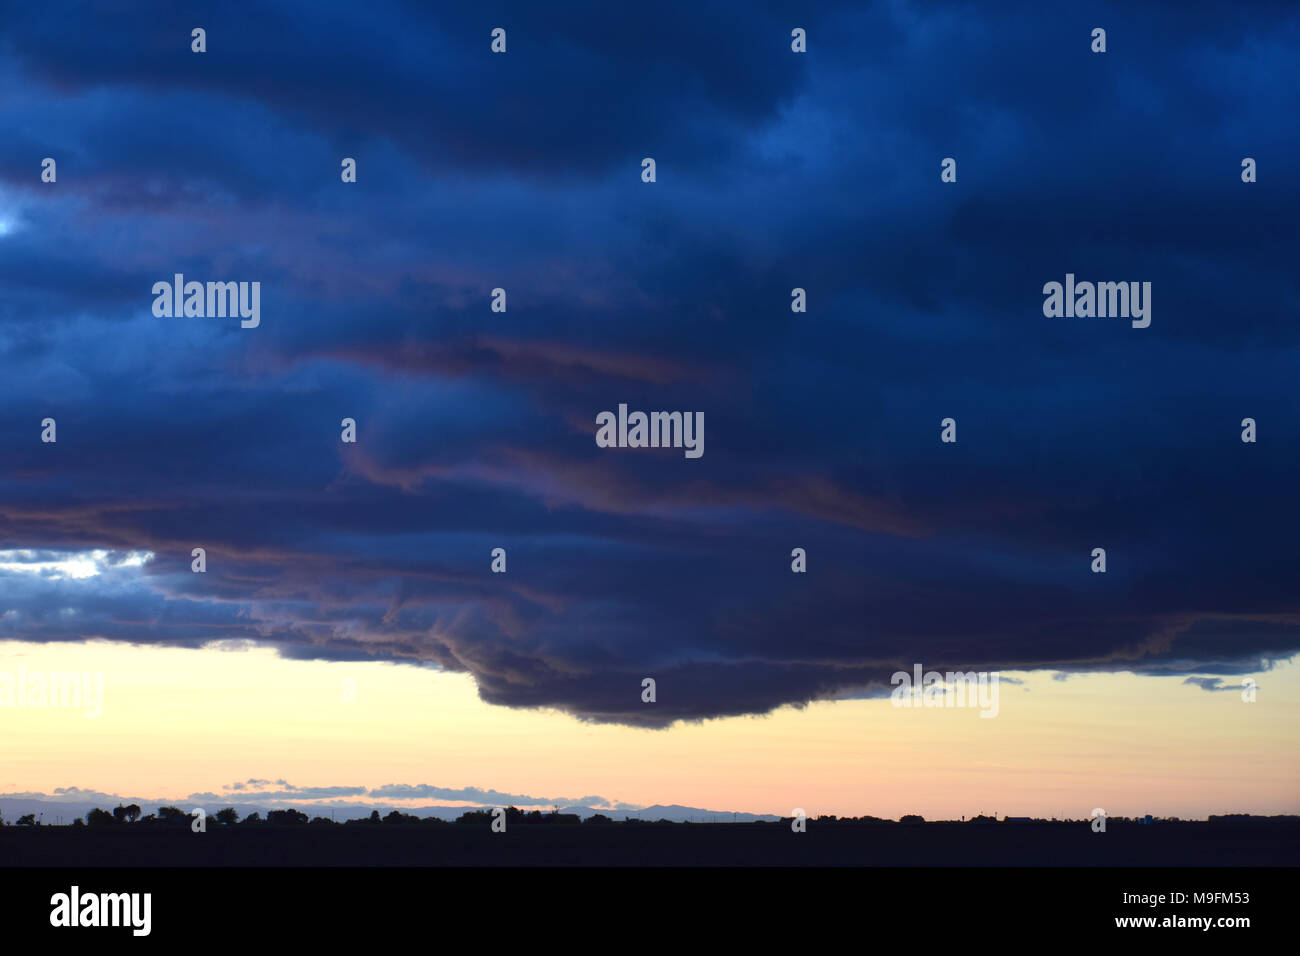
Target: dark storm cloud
(476,428)
(577,92)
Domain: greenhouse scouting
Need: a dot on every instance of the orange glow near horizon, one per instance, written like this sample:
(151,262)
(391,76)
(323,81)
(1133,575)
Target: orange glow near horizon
(176,722)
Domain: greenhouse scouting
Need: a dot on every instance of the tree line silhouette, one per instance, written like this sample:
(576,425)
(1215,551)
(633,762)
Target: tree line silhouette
(130,815)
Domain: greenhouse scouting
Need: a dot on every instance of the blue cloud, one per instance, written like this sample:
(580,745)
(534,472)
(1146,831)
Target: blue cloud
(776,170)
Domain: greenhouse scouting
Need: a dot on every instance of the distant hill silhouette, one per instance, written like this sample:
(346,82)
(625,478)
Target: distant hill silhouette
(11,808)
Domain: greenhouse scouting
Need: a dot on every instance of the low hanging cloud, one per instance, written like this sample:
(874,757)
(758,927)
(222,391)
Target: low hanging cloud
(476,429)
(340,802)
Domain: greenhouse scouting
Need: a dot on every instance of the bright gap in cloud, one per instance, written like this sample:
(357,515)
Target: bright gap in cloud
(76,565)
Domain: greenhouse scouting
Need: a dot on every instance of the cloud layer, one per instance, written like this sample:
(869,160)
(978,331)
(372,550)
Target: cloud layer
(476,429)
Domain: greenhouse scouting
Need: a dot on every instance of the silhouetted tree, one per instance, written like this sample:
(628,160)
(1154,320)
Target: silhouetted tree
(252,820)
(99,818)
(227,817)
(27,820)
(284,818)
(598,818)
(172,815)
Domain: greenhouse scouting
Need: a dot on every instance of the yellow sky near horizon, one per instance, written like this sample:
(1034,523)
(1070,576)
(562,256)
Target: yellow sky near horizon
(177,721)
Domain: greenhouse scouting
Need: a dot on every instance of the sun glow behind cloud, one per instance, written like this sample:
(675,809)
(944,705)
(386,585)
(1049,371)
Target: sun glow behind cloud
(76,565)
(10,213)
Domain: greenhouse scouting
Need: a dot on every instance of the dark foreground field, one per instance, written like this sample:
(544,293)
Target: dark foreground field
(929,844)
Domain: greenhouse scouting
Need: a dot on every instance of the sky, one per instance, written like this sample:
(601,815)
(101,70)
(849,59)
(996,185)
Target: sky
(370,562)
